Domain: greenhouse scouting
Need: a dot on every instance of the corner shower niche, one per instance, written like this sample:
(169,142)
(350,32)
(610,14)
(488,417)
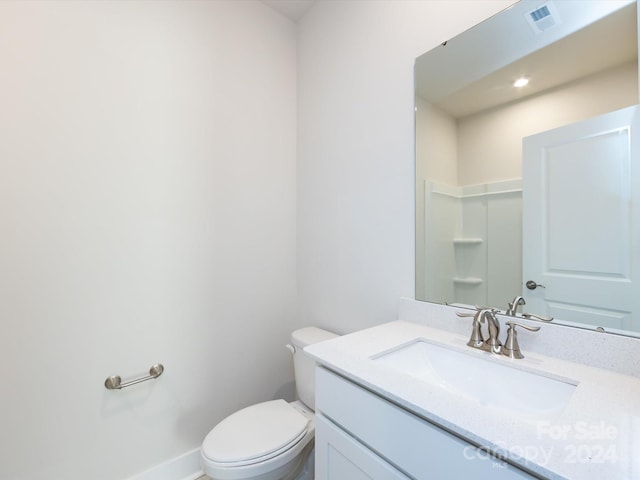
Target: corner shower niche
(461,264)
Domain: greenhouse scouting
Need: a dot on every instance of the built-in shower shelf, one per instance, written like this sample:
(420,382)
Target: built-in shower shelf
(467,280)
(467,241)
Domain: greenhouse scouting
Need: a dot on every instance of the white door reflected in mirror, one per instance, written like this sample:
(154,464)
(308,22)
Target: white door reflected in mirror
(579,192)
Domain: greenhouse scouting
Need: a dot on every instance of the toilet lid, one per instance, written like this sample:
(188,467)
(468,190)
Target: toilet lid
(262,430)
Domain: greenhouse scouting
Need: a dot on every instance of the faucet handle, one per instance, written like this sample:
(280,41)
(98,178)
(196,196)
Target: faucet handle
(537,317)
(513,325)
(511,348)
(487,307)
(478,308)
(476,340)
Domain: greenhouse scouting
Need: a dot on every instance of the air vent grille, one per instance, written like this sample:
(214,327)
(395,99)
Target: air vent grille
(541,13)
(543,18)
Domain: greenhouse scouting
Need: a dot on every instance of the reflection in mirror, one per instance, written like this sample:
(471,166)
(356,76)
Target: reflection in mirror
(471,122)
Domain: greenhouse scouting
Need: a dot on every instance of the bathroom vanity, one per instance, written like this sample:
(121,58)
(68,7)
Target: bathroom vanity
(409,399)
(355,423)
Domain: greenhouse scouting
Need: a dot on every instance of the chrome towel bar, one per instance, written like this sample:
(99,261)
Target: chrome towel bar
(114,382)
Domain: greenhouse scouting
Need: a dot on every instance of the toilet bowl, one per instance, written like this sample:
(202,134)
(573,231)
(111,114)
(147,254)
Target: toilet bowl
(270,440)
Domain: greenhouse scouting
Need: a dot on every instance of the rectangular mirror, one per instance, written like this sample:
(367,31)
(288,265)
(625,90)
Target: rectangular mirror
(532,191)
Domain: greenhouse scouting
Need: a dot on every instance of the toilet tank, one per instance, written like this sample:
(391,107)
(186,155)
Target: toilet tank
(303,365)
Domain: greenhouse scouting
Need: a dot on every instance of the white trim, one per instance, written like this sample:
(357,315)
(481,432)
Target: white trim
(467,241)
(467,280)
(479,190)
(183,467)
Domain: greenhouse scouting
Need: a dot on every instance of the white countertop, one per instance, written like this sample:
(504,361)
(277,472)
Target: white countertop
(596,436)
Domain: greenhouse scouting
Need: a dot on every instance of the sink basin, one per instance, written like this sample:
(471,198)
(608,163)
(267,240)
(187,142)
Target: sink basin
(490,382)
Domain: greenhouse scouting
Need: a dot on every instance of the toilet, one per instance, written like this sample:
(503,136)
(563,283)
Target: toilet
(270,440)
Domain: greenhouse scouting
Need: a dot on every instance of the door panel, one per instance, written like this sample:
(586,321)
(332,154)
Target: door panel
(579,236)
(608,319)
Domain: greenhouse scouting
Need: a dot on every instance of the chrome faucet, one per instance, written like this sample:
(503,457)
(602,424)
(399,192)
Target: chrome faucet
(476,340)
(513,306)
(511,347)
(493,344)
(542,318)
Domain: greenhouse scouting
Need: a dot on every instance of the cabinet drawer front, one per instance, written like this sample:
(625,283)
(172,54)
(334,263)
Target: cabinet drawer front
(415,446)
(340,457)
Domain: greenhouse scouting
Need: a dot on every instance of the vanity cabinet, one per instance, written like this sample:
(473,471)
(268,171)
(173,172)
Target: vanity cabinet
(360,435)
(345,458)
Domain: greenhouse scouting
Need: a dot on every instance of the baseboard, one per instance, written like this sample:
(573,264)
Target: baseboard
(183,467)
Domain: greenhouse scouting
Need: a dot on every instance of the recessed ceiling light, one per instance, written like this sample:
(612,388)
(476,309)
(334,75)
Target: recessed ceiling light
(521,82)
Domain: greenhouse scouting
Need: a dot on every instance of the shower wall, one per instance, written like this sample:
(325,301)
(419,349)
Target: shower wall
(474,234)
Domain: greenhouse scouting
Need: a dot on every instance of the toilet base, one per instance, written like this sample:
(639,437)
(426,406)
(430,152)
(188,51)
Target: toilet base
(308,470)
(305,471)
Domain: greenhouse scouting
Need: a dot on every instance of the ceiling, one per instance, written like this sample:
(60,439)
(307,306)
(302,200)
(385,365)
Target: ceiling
(292,9)
(603,45)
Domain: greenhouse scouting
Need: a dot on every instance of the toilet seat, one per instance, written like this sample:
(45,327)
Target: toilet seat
(255,434)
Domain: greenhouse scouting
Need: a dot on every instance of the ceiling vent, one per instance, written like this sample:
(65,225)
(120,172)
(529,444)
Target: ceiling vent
(543,18)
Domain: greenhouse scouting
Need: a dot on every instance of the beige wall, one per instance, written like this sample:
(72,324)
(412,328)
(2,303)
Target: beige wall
(490,143)
(147,204)
(356,177)
(436,160)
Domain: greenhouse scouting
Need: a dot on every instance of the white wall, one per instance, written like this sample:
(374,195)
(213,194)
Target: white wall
(356,151)
(147,208)
(436,160)
(436,144)
(490,142)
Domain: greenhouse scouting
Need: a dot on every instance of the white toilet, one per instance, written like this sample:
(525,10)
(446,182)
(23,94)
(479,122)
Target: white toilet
(270,440)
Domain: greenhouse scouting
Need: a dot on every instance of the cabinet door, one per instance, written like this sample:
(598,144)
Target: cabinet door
(340,457)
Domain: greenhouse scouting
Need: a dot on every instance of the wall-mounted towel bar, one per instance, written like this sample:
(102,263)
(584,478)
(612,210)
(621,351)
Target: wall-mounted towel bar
(114,382)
